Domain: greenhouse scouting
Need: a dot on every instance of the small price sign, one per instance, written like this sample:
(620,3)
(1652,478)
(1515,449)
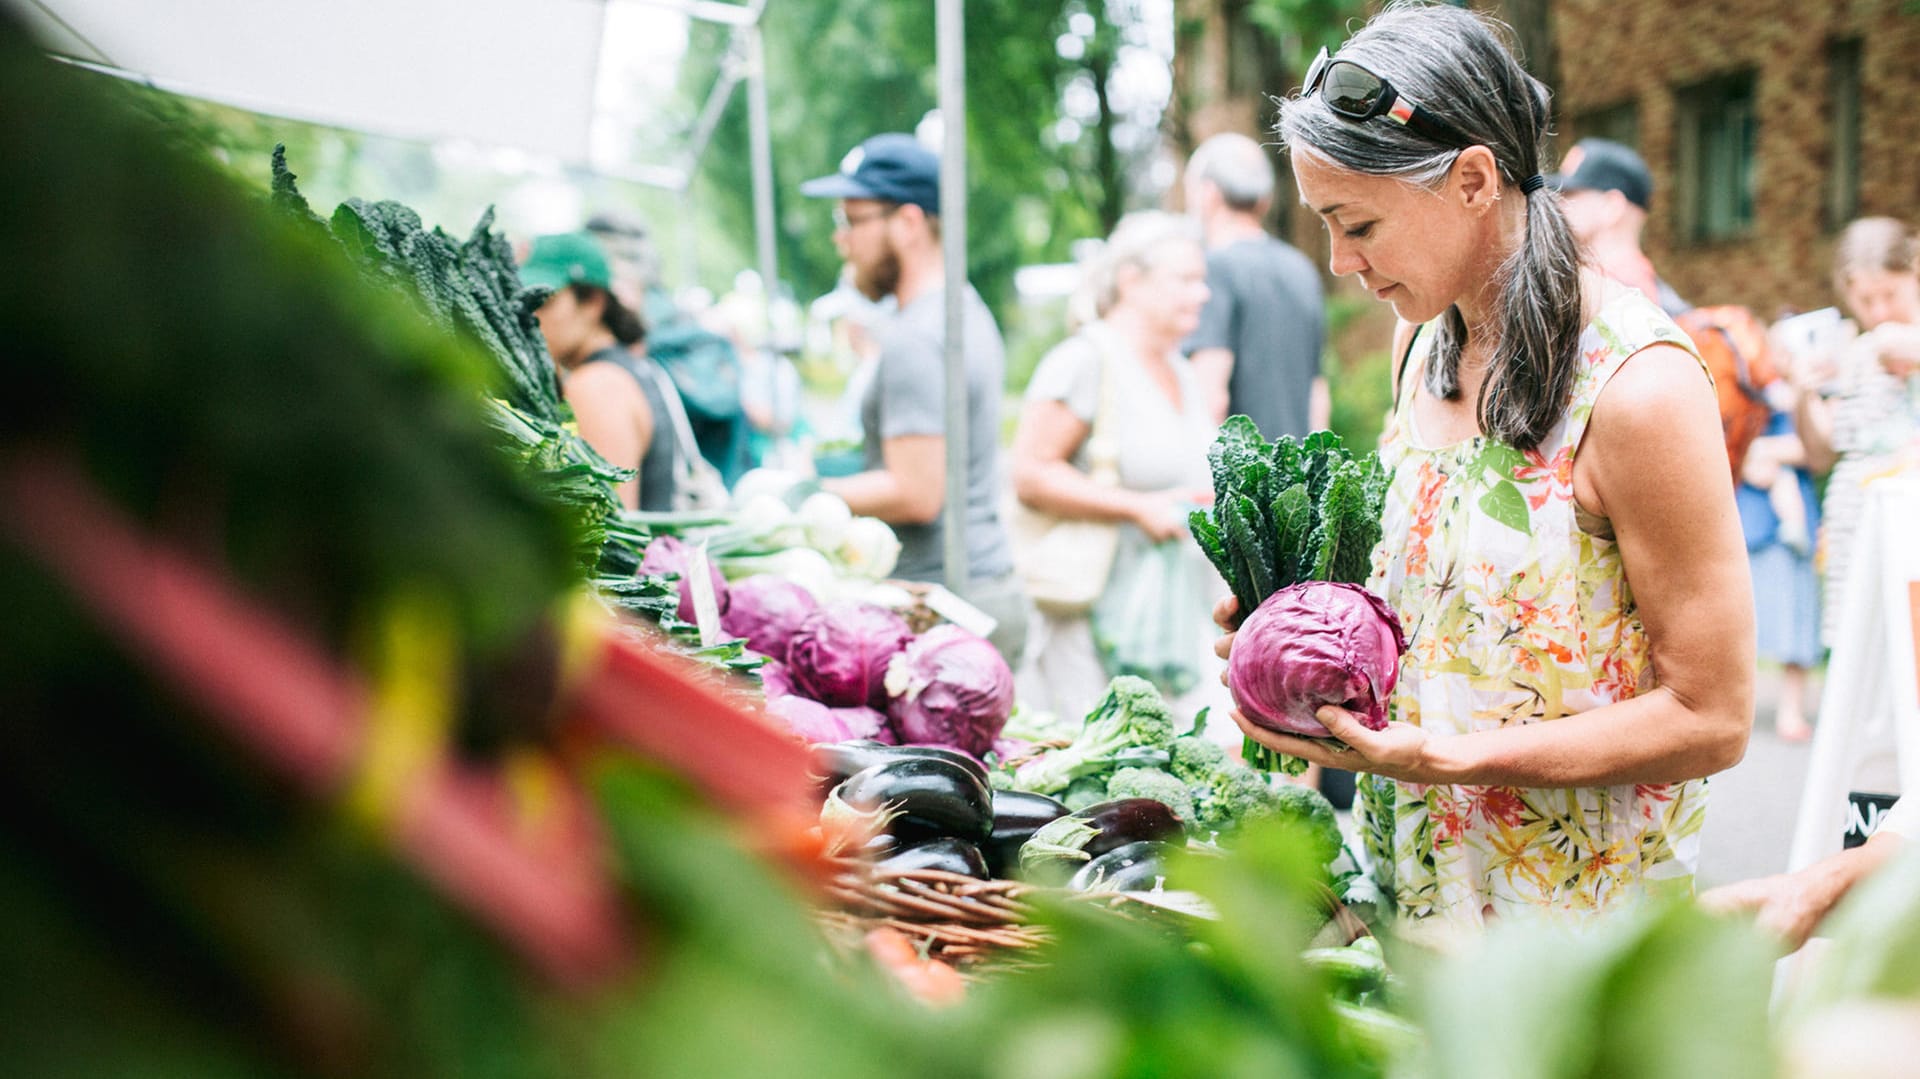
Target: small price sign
(1864,813)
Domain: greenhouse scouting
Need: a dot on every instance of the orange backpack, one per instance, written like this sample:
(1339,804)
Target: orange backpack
(1734,345)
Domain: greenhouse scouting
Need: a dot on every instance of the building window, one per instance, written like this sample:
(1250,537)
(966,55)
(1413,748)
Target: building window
(1843,106)
(1714,158)
(1621,123)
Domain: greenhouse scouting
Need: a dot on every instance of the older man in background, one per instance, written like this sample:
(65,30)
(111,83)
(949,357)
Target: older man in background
(1257,349)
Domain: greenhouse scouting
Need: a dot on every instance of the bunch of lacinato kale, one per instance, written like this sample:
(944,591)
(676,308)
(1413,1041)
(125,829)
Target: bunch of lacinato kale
(1292,530)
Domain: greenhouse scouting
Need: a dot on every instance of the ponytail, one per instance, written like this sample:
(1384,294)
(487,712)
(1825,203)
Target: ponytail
(620,320)
(1529,379)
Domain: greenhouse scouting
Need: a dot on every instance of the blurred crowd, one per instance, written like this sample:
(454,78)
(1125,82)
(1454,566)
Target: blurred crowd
(1179,321)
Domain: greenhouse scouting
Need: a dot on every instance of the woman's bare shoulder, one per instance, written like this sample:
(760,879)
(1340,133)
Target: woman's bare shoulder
(1658,384)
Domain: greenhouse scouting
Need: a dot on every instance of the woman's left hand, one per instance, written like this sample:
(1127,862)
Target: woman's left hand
(1398,752)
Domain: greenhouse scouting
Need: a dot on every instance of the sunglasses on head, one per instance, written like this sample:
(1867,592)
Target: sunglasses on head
(1359,95)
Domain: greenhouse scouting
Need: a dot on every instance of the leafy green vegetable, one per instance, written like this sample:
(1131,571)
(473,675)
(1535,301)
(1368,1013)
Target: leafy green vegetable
(1085,791)
(473,288)
(1155,784)
(1309,810)
(1288,512)
(1293,525)
(1131,715)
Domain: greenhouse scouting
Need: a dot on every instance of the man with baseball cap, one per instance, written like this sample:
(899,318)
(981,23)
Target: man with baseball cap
(1606,191)
(887,227)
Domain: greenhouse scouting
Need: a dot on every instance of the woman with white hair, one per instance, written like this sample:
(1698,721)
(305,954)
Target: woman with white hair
(1115,430)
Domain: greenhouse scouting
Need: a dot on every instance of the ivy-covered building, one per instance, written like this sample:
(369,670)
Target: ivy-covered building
(1767,124)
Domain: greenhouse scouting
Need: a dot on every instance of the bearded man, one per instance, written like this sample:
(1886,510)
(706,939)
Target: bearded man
(887,227)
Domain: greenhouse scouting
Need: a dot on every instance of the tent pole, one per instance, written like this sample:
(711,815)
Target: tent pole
(683,238)
(762,160)
(950,30)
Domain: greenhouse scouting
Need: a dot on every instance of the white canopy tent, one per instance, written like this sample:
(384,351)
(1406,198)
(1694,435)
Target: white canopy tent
(510,73)
(520,74)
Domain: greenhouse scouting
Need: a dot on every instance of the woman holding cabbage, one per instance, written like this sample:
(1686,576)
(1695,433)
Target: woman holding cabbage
(1560,542)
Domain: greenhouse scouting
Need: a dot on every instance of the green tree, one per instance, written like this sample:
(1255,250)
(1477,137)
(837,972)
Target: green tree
(840,70)
(1234,57)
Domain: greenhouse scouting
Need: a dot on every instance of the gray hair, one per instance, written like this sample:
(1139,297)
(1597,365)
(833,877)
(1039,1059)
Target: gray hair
(1237,166)
(1458,65)
(1140,240)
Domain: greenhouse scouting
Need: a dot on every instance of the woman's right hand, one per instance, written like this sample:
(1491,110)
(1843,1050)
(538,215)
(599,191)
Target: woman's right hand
(1162,515)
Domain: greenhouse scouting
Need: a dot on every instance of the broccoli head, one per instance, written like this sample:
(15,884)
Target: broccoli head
(1131,715)
(1084,792)
(1311,814)
(1155,784)
(1235,796)
(1231,796)
(1196,761)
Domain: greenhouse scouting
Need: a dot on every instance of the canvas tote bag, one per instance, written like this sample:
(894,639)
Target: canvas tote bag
(1064,563)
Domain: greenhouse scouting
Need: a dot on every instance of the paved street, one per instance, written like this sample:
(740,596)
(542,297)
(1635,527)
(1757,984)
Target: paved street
(1753,806)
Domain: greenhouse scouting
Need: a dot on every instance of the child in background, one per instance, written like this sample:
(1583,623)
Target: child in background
(1855,414)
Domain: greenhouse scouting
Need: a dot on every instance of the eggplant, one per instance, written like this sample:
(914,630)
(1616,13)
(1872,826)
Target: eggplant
(948,753)
(1016,816)
(915,798)
(1135,867)
(836,762)
(1058,849)
(947,854)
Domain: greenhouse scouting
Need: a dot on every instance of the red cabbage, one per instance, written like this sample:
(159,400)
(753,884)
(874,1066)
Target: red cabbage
(667,556)
(1313,644)
(766,611)
(840,653)
(950,688)
(774,679)
(815,722)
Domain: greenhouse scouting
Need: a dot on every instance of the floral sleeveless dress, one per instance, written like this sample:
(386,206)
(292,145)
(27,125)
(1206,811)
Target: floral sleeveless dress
(1517,611)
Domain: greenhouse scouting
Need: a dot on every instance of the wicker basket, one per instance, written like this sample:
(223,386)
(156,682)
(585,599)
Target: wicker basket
(954,917)
(964,921)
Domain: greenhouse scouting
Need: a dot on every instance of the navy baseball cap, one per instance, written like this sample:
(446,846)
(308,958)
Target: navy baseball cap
(892,168)
(1605,165)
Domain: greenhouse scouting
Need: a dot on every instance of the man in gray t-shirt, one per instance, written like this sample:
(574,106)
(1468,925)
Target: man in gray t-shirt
(907,398)
(888,229)
(1257,348)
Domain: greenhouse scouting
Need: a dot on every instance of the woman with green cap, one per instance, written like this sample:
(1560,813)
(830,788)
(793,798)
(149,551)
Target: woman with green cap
(616,395)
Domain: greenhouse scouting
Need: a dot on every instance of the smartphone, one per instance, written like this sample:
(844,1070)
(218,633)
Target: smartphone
(1811,333)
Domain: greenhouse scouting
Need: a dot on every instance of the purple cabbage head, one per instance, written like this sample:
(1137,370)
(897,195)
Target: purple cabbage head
(814,722)
(774,680)
(839,655)
(766,611)
(950,687)
(667,555)
(1313,644)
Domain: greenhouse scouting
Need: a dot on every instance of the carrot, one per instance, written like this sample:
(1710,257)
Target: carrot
(931,981)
